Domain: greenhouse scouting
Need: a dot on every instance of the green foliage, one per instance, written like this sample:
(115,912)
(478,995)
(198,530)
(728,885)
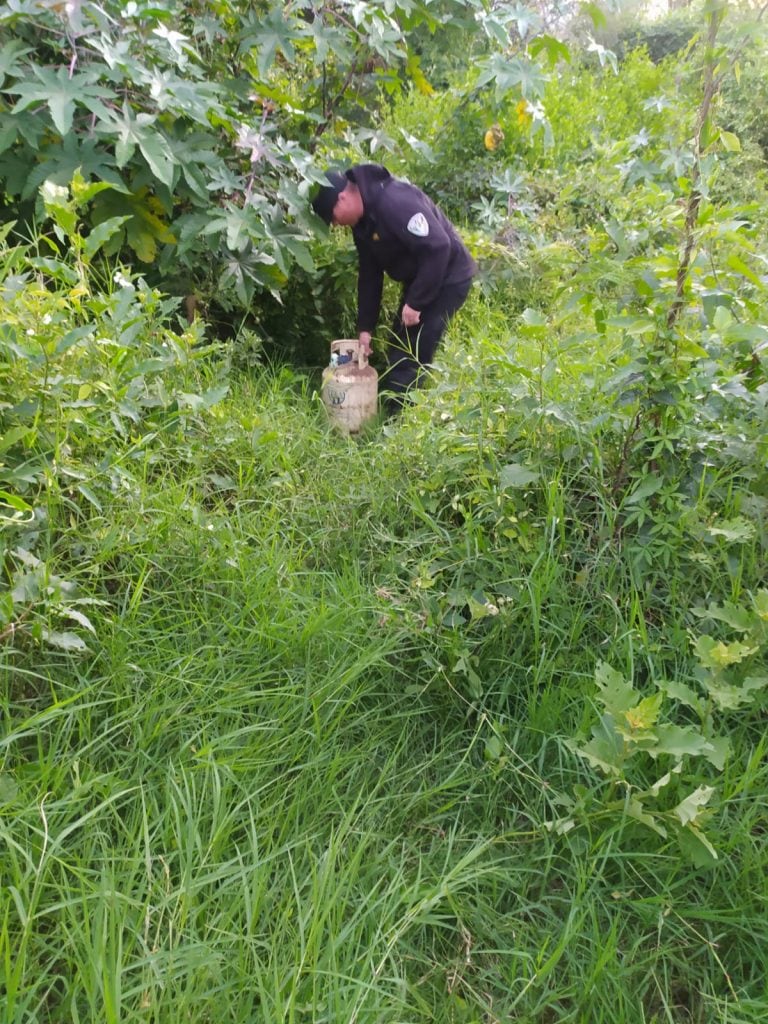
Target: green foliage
(662,38)
(593,109)
(93,381)
(637,734)
(314,306)
(210,124)
(303,726)
(357,661)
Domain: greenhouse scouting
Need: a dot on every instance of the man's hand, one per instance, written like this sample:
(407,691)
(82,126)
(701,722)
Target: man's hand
(365,340)
(410,316)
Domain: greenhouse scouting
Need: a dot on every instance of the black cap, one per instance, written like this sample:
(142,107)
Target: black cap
(325,200)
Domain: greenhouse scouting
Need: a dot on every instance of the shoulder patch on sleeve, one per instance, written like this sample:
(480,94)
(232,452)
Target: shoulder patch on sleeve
(418,225)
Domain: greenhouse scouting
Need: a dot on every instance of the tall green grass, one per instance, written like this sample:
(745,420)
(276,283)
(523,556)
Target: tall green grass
(302,777)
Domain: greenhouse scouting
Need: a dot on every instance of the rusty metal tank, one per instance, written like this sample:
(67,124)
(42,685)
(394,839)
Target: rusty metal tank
(350,386)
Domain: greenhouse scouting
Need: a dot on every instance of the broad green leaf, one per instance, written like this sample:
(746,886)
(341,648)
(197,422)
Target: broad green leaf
(89,495)
(83,191)
(736,263)
(534,319)
(242,225)
(689,809)
(665,780)
(64,641)
(730,141)
(635,809)
(512,74)
(722,319)
(716,654)
(480,607)
(143,231)
(8,131)
(198,403)
(761,604)
(80,618)
(697,847)
(270,36)
(515,475)
(708,134)
(633,325)
(300,252)
(605,750)
(157,151)
(23,432)
(754,333)
(680,741)
(494,748)
(125,147)
(730,698)
(732,614)
(738,530)
(496,30)
(61,160)
(595,13)
(644,714)
(616,694)
(720,752)
(421,147)
(648,486)
(604,55)
(680,692)
(526,20)
(58,269)
(415,73)
(101,234)
(688,347)
(554,49)
(326,40)
(62,94)
(15,502)
(59,207)
(73,337)
(10,64)
(560,826)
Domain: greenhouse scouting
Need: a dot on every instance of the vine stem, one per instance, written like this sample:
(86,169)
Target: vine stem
(712,85)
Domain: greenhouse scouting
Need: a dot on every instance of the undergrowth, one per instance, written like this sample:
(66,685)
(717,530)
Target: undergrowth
(461,720)
(291,721)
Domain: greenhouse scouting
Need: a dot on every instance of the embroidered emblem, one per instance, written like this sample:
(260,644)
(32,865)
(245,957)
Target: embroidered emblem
(418,225)
(375,236)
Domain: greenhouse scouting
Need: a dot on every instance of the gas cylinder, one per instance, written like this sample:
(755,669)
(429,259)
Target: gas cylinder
(350,386)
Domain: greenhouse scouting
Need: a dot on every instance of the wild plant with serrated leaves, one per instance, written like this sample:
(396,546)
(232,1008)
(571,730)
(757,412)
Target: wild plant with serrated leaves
(659,750)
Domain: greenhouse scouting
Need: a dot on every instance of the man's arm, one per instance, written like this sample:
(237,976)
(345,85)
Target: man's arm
(370,285)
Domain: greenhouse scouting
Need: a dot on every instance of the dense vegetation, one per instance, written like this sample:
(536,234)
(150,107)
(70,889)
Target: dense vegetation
(460,721)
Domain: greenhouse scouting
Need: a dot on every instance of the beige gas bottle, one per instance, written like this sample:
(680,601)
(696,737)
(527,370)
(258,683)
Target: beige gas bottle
(350,386)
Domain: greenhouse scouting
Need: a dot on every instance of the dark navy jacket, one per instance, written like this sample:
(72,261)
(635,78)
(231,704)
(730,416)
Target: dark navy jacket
(404,235)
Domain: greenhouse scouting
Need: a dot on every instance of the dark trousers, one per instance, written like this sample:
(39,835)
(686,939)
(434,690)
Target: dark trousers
(412,348)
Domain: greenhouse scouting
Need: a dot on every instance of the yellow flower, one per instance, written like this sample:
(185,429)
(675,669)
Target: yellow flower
(523,114)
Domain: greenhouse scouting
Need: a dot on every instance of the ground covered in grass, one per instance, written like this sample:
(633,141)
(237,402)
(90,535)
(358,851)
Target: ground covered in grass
(319,761)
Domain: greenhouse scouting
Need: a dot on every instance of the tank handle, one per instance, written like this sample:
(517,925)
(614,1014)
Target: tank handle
(345,344)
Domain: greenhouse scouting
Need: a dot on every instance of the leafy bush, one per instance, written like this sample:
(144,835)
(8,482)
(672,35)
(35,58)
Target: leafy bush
(202,122)
(590,108)
(93,382)
(661,38)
